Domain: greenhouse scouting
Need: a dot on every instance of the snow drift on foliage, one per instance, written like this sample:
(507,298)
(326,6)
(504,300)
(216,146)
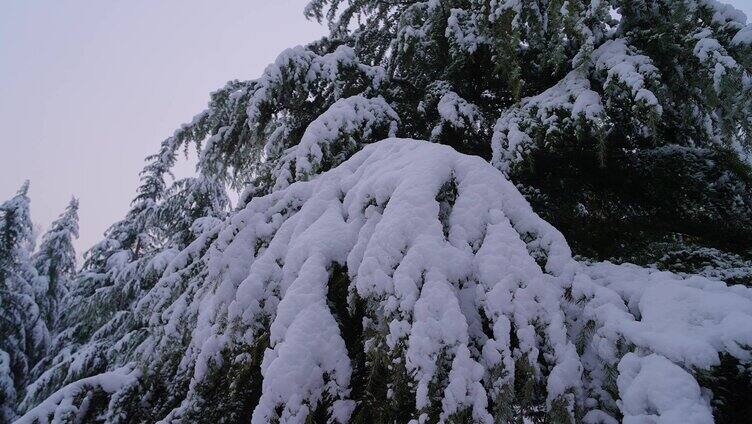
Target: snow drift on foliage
(465,289)
(60,406)
(334,136)
(572,102)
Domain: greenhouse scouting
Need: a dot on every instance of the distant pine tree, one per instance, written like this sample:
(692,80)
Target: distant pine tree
(23,333)
(55,262)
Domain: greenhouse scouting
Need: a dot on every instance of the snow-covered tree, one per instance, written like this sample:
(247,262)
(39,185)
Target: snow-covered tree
(23,333)
(17,237)
(640,143)
(363,280)
(615,90)
(7,389)
(97,313)
(410,282)
(55,262)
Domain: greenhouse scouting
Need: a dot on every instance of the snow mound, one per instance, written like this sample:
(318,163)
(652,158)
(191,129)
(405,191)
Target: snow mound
(453,281)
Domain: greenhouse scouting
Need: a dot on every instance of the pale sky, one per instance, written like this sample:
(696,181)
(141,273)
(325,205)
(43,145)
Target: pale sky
(89,88)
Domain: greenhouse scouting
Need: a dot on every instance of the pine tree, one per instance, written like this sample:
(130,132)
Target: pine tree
(55,262)
(17,240)
(99,309)
(7,389)
(23,333)
(616,101)
(654,153)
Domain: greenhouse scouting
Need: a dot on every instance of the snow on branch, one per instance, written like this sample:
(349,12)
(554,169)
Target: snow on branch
(72,401)
(336,135)
(573,105)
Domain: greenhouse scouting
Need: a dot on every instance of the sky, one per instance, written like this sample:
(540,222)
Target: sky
(89,88)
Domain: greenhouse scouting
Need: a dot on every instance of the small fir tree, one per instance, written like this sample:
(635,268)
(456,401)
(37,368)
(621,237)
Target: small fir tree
(55,262)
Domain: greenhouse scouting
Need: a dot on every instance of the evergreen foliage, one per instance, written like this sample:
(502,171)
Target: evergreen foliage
(55,262)
(360,280)
(23,333)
